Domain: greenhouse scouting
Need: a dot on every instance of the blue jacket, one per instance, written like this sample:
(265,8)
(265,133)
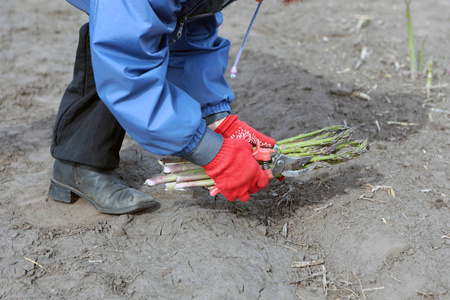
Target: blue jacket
(161,94)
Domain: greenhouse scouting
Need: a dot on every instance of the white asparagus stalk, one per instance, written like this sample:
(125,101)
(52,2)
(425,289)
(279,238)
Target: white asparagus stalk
(178,168)
(170,177)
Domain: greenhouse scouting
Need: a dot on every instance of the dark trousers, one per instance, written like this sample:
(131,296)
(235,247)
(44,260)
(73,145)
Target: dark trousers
(85,130)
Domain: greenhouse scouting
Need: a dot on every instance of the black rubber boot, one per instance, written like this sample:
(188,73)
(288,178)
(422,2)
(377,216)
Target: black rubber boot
(102,188)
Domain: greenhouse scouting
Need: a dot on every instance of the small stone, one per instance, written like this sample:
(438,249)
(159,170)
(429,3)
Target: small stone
(340,91)
(120,232)
(381,146)
(347,190)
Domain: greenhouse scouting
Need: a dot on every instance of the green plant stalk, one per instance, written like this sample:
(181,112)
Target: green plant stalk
(429,76)
(161,179)
(359,144)
(313,133)
(412,53)
(317,154)
(192,176)
(429,73)
(315,151)
(323,152)
(182,185)
(335,158)
(421,56)
(182,167)
(360,148)
(295,147)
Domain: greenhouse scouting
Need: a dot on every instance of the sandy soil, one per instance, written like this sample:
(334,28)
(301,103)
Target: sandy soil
(296,74)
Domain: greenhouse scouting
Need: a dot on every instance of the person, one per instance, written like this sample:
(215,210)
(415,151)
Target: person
(154,69)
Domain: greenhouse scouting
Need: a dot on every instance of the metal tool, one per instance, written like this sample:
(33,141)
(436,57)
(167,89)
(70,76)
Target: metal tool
(276,164)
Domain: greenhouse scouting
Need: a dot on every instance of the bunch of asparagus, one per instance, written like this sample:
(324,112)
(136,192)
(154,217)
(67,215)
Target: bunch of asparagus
(327,146)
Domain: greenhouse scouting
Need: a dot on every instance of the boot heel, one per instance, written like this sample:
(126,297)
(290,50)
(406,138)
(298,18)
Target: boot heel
(60,194)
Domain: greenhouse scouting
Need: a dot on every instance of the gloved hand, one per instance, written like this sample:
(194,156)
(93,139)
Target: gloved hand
(233,128)
(235,172)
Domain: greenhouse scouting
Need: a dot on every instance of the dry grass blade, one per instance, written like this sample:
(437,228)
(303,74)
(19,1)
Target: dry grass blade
(35,263)
(303,264)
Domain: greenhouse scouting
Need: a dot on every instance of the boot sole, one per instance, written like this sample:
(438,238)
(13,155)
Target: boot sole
(66,194)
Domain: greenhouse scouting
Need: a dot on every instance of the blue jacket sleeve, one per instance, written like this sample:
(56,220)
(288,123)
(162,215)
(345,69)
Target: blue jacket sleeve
(197,64)
(130,56)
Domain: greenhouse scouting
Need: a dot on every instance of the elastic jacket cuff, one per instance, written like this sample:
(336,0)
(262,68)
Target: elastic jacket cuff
(223,106)
(206,149)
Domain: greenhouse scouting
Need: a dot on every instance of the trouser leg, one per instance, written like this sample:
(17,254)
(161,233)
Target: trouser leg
(85,131)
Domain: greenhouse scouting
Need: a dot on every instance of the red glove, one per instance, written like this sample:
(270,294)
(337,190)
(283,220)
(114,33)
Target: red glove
(235,172)
(233,128)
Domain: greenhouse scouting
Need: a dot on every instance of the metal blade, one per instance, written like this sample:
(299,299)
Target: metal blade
(283,163)
(295,173)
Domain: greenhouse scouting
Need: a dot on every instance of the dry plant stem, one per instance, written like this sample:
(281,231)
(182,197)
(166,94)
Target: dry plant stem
(311,277)
(303,264)
(35,263)
(324,279)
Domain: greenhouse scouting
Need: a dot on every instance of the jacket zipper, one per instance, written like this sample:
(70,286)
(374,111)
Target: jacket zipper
(183,20)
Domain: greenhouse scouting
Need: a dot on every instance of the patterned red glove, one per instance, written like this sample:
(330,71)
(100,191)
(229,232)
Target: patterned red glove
(235,172)
(233,128)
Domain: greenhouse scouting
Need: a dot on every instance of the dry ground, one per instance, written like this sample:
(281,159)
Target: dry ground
(296,75)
